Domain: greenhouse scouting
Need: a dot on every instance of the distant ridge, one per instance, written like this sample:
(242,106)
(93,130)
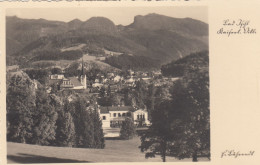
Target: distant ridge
(152,37)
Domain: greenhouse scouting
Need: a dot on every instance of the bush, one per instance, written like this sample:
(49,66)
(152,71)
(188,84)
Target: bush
(127,130)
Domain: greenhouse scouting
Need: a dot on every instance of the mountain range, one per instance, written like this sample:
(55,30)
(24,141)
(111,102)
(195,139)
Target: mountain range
(154,39)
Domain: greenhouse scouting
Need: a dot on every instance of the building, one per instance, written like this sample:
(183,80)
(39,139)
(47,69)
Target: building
(113,116)
(117,78)
(61,82)
(56,76)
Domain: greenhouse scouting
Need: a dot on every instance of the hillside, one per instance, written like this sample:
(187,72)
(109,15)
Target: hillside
(149,38)
(193,62)
(99,25)
(25,31)
(132,62)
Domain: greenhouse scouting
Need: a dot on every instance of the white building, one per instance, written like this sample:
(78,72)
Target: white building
(117,78)
(140,115)
(56,76)
(113,116)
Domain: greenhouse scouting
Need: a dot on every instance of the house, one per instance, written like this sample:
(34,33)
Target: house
(117,78)
(96,84)
(56,77)
(140,117)
(113,116)
(130,80)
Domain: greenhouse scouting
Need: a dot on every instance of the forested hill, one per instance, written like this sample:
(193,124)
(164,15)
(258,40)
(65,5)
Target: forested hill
(193,62)
(151,38)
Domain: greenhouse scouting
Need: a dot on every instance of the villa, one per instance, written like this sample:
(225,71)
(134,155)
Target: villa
(113,116)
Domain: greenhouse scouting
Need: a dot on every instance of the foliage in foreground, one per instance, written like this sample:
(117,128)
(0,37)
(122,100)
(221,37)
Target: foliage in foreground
(35,117)
(180,125)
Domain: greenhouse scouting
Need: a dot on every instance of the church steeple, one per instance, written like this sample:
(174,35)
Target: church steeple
(82,67)
(82,77)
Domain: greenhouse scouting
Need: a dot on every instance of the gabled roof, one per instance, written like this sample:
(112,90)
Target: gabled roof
(75,81)
(54,81)
(139,110)
(104,110)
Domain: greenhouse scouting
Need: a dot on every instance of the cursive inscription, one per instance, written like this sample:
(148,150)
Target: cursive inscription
(236,27)
(235,154)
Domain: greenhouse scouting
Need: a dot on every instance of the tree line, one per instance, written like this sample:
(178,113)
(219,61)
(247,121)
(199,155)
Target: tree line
(36,117)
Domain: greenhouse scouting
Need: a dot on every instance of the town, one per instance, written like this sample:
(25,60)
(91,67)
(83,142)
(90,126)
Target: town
(112,83)
(96,91)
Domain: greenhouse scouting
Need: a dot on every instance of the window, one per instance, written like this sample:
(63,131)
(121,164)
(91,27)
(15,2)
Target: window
(104,117)
(123,114)
(119,114)
(137,116)
(114,114)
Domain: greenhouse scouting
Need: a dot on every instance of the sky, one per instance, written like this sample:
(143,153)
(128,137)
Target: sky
(119,15)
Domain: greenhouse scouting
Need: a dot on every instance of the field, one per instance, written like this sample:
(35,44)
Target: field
(115,151)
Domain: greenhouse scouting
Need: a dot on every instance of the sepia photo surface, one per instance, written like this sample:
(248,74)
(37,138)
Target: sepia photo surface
(110,84)
(130,82)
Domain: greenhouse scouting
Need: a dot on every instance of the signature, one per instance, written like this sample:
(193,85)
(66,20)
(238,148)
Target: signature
(235,154)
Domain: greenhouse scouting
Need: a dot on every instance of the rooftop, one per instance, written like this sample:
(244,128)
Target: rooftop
(75,81)
(54,81)
(115,108)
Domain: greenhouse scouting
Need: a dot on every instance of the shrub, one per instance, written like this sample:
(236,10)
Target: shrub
(127,130)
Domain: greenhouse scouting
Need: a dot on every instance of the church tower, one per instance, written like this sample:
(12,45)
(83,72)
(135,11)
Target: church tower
(83,77)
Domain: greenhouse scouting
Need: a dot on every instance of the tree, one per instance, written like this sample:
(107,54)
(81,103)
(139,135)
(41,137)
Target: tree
(102,91)
(45,118)
(140,93)
(20,105)
(191,97)
(56,71)
(127,130)
(92,73)
(194,114)
(72,70)
(99,141)
(125,73)
(115,99)
(88,126)
(82,124)
(156,140)
(40,75)
(54,88)
(65,132)
(180,123)
(150,100)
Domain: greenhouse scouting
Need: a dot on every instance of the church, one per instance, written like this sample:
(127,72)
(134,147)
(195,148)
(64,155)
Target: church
(79,82)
